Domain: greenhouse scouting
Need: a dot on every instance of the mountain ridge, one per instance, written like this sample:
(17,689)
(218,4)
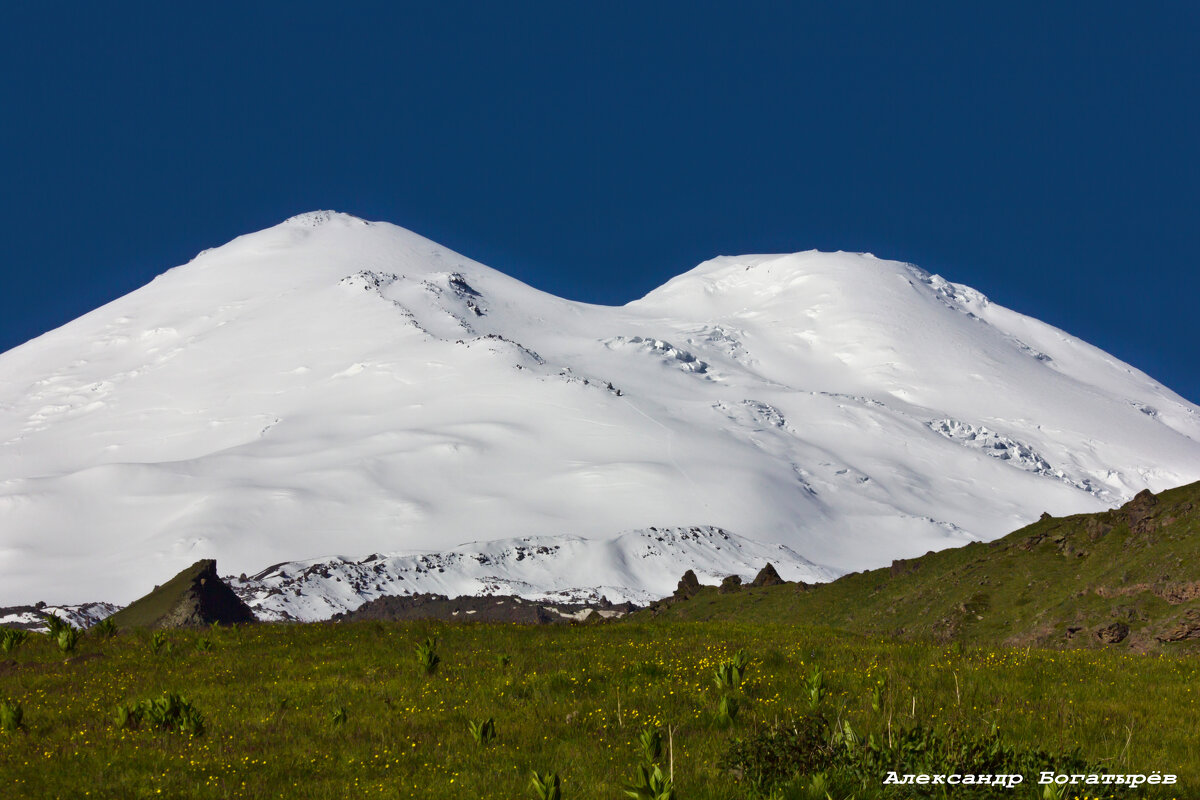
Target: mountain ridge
(332,385)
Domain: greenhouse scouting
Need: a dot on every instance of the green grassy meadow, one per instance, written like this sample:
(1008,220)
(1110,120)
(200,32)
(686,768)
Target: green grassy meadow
(344,711)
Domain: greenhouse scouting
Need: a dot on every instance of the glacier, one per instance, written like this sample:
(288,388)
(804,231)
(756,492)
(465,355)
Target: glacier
(331,388)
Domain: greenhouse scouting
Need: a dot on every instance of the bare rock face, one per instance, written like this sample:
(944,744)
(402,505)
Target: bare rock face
(688,586)
(732,583)
(767,576)
(1140,511)
(485,608)
(1188,627)
(1114,633)
(197,596)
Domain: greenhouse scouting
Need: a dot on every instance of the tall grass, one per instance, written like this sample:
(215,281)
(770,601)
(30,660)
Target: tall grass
(576,699)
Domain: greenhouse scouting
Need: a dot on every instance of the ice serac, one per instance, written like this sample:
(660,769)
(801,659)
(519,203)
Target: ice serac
(333,386)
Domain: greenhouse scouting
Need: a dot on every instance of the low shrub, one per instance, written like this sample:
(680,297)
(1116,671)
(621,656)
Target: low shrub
(793,754)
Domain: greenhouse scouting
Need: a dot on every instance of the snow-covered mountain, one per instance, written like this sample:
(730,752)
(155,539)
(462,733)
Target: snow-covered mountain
(333,386)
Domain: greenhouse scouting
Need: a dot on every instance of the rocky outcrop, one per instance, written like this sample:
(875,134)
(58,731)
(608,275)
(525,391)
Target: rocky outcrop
(1188,627)
(483,608)
(1114,633)
(688,586)
(1140,511)
(196,596)
(767,576)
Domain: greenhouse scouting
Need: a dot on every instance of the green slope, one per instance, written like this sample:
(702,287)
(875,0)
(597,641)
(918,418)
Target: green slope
(1125,578)
(196,596)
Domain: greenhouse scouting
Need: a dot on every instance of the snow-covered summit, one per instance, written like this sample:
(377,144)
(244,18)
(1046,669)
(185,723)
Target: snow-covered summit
(331,385)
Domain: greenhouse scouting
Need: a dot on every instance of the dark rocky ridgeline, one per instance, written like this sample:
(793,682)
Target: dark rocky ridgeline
(488,608)
(690,586)
(33,617)
(194,597)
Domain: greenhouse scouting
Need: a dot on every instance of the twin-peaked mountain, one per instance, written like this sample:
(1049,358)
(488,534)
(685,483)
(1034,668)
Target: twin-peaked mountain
(333,386)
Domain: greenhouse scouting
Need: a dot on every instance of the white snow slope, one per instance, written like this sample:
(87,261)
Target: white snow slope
(333,386)
(639,566)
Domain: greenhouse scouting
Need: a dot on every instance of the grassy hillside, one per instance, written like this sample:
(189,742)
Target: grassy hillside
(1127,579)
(196,596)
(344,711)
(936,664)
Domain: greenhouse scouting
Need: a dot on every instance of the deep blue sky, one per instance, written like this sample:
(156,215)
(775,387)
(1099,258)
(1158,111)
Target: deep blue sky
(1047,156)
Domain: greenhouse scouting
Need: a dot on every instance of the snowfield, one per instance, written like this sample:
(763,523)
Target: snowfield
(330,389)
(638,567)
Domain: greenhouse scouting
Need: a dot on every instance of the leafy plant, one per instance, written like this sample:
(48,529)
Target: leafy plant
(503,660)
(727,710)
(727,677)
(105,628)
(1054,791)
(427,657)
(159,643)
(482,732)
(66,639)
(11,639)
(128,716)
(650,784)
(11,716)
(814,687)
(877,697)
(55,625)
(651,743)
(817,787)
(204,644)
(730,673)
(546,787)
(338,717)
(169,712)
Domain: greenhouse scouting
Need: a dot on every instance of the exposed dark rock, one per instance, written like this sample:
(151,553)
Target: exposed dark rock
(1140,511)
(196,596)
(1114,633)
(1186,628)
(767,576)
(732,583)
(688,586)
(1097,527)
(489,608)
